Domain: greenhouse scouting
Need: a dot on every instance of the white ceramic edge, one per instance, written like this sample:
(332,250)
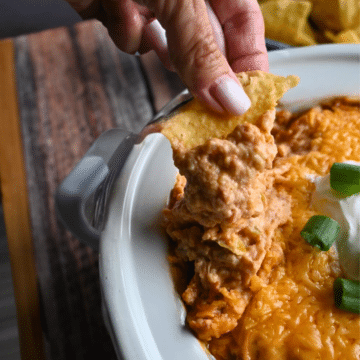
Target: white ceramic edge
(137,342)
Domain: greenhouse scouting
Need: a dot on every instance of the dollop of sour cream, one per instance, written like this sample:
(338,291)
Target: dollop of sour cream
(346,211)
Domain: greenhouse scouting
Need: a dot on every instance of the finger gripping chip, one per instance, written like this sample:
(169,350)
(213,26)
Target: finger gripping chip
(194,124)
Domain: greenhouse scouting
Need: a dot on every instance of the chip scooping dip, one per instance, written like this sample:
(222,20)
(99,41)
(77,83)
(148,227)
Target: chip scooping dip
(195,124)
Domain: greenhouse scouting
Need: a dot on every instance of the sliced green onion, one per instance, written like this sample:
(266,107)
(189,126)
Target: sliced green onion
(321,231)
(345,178)
(347,295)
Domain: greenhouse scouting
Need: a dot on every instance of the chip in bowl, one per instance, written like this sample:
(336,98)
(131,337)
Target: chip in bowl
(287,21)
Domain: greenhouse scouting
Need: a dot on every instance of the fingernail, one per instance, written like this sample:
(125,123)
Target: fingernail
(230,95)
(156,35)
(217,29)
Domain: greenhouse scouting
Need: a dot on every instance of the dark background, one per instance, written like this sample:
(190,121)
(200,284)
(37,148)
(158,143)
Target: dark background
(19,17)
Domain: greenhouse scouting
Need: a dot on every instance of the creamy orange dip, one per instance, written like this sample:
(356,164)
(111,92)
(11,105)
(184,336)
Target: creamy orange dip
(253,288)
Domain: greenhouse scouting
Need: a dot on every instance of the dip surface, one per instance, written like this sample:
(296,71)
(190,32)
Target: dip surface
(254,289)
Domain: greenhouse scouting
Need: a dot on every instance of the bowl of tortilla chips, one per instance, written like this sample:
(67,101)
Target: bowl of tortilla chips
(310,22)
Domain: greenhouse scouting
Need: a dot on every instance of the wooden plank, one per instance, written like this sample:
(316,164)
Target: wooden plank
(16,212)
(61,116)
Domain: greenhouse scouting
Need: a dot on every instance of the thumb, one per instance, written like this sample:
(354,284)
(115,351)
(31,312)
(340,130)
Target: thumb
(197,58)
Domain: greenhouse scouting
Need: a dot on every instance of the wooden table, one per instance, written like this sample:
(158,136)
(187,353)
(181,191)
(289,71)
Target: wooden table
(59,90)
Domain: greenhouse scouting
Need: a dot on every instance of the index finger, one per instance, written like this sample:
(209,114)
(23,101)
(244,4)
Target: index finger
(244,33)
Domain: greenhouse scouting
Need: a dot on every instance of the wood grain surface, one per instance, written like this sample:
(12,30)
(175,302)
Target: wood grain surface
(72,85)
(16,211)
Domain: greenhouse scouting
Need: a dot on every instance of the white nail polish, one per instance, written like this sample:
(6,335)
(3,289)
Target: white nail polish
(217,29)
(230,95)
(156,35)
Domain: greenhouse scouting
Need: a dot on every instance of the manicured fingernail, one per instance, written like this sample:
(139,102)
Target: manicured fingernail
(156,35)
(230,95)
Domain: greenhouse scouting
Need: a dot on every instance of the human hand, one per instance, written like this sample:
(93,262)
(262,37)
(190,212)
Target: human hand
(204,44)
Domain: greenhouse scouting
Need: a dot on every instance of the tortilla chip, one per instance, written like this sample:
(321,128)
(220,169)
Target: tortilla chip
(312,21)
(194,124)
(357,30)
(287,21)
(347,36)
(336,15)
